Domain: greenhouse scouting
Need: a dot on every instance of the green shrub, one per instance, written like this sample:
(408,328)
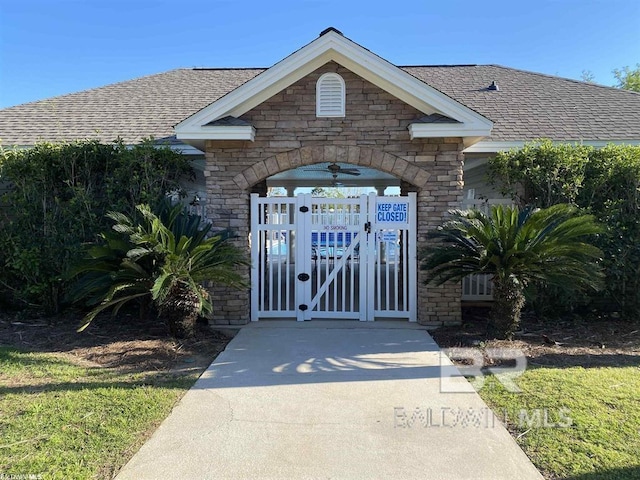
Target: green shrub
(604,182)
(57,200)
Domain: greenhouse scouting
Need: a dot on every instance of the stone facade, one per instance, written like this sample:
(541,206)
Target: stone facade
(373,133)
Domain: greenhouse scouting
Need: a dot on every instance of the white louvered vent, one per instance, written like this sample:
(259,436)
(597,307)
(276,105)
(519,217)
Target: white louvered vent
(330,96)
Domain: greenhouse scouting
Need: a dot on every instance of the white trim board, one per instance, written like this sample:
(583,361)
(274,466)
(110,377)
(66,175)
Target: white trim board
(494,147)
(224,133)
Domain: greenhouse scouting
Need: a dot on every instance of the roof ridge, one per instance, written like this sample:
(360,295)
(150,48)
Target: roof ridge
(399,66)
(557,77)
(227,68)
(92,89)
(441,65)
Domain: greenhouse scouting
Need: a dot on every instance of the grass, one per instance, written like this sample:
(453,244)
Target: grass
(62,419)
(603,405)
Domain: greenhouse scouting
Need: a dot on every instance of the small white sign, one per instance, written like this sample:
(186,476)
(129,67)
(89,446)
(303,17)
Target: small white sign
(390,237)
(333,228)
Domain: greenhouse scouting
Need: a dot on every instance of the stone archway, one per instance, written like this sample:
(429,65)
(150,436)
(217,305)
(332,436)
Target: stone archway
(355,155)
(432,169)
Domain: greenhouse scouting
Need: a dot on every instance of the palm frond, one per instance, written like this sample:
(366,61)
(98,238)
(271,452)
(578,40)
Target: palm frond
(117,302)
(152,254)
(549,246)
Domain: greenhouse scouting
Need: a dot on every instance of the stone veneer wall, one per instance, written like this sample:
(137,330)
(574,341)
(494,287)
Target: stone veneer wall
(373,133)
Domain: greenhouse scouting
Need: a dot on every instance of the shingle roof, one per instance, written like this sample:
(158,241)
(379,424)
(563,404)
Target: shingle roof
(132,110)
(526,106)
(532,105)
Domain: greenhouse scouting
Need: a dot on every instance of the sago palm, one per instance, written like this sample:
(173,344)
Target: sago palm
(163,258)
(516,247)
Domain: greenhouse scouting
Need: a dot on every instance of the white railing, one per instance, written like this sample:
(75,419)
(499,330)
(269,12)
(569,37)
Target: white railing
(484,205)
(479,287)
(198,209)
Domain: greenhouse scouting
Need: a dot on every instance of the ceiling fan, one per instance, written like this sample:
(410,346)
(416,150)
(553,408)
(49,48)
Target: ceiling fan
(335,170)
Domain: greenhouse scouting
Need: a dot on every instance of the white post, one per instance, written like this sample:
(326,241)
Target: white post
(303,255)
(412,261)
(291,244)
(254,240)
(370,260)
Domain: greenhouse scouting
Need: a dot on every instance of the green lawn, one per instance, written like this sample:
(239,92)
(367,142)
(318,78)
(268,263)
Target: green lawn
(603,440)
(59,419)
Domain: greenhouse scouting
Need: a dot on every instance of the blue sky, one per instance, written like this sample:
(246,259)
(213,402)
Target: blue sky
(53,47)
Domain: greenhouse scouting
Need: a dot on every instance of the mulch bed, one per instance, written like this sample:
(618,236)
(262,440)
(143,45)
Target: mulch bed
(123,342)
(562,343)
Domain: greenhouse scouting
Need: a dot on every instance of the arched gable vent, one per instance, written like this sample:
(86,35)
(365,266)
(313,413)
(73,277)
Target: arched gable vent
(330,96)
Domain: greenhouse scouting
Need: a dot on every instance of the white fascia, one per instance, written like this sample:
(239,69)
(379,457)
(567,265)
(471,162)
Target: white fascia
(494,147)
(332,47)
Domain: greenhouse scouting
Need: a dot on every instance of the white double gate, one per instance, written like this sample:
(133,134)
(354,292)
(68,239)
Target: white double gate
(315,258)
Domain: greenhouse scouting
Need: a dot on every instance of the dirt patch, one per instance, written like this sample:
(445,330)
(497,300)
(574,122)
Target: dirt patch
(124,342)
(565,343)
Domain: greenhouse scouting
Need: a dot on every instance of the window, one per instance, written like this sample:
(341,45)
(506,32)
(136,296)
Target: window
(330,96)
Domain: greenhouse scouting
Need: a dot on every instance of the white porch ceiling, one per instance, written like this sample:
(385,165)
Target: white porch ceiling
(318,175)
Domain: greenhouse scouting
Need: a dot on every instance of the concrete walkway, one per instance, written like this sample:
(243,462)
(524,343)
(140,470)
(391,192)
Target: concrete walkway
(330,400)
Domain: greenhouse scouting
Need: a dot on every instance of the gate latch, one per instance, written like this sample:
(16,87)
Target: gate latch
(303,307)
(367,227)
(303,277)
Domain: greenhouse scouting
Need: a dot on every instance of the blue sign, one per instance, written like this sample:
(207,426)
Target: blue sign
(392,213)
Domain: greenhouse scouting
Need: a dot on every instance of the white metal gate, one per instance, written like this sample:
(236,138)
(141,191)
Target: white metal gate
(333,258)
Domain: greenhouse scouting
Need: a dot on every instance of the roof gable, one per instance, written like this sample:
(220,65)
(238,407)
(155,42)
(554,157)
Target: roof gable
(333,46)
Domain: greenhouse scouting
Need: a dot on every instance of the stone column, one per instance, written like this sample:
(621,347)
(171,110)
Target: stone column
(438,305)
(228,207)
